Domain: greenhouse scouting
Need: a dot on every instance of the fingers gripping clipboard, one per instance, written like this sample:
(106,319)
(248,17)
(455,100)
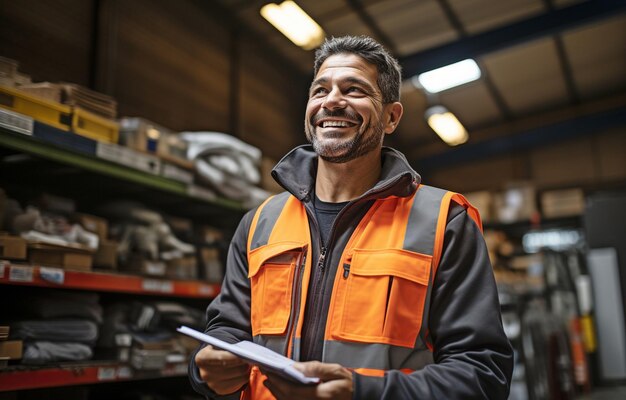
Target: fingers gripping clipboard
(255,354)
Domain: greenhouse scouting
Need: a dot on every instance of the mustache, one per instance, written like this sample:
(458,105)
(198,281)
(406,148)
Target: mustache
(341,113)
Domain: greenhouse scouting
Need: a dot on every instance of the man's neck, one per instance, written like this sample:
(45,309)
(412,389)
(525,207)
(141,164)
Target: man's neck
(338,182)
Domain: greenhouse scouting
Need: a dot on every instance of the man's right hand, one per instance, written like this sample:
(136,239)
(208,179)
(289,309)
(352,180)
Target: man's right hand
(223,372)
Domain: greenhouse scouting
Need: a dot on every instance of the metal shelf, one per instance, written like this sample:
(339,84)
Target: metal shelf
(26,378)
(40,276)
(74,150)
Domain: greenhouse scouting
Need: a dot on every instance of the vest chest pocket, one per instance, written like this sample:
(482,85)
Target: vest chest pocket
(271,271)
(383,297)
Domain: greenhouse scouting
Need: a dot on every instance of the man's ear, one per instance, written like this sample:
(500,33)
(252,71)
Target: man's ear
(393,114)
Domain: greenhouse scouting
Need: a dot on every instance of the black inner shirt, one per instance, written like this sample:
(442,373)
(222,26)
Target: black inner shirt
(326,214)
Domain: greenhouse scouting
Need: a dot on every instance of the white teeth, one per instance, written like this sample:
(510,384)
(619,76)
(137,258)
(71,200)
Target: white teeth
(342,124)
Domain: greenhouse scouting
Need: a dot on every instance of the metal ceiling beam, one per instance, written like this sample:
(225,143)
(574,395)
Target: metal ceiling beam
(491,87)
(367,19)
(566,67)
(536,137)
(549,23)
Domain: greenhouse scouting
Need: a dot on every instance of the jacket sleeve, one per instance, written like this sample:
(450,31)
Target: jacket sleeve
(473,359)
(228,315)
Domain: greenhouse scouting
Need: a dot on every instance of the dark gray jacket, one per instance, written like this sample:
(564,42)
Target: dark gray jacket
(473,358)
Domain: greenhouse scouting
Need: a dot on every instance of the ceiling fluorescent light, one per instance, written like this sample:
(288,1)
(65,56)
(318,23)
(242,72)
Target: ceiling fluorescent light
(294,23)
(449,76)
(446,125)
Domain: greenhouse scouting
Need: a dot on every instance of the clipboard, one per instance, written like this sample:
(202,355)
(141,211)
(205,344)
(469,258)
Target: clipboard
(255,354)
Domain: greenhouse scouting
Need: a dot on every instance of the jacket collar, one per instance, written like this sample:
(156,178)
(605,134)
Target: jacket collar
(297,170)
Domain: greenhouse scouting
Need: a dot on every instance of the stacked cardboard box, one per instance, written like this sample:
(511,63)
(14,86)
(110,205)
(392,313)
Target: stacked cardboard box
(9,349)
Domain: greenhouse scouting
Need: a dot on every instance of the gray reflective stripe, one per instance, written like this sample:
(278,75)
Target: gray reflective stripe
(375,355)
(295,352)
(267,219)
(422,224)
(276,343)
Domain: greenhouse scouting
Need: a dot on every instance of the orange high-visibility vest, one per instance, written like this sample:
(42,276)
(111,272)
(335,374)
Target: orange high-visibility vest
(378,314)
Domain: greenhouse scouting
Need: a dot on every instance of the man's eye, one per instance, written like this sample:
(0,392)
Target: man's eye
(354,89)
(319,90)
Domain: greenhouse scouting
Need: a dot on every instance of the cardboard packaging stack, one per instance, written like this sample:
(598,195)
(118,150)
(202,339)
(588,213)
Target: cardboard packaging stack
(9,349)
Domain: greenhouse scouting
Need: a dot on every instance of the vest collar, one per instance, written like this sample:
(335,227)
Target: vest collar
(297,169)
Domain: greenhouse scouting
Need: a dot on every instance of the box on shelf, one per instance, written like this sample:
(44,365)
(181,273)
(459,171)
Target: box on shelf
(92,223)
(11,349)
(516,203)
(4,332)
(45,90)
(94,126)
(212,268)
(70,257)
(141,265)
(41,109)
(562,203)
(12,247)
(182,268)
(483,201)
(106,255)
(149,137)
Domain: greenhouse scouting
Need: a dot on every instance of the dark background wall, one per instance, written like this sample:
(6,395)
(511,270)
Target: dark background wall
(185,64)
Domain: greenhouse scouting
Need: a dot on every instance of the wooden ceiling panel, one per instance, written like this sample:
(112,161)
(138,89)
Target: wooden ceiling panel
(412,127)
(348,23)
(529,77)
(323,10)
(412,25)
(472,104)
(565,3)
(598,68)
(481,15)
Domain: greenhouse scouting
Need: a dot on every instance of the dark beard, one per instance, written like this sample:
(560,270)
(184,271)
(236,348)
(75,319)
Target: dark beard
(355,148)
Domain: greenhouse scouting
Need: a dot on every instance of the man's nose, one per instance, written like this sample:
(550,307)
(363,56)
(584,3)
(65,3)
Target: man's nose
(334,100)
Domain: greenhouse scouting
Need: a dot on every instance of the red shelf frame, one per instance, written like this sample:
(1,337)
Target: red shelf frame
(72,375)
(31,275)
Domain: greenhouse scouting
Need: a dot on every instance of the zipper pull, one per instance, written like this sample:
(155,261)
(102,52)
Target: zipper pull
(320,261)
(346,270)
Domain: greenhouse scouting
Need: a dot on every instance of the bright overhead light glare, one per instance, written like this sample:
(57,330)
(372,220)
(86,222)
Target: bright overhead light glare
(294,23)
(446,125)
(449,76)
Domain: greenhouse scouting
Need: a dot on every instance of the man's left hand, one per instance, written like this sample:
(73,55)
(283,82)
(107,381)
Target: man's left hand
(336,383)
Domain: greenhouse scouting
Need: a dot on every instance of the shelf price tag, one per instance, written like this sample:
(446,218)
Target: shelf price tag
(206,290)
(54,275)
(156,285)
(19,273)
(124,372)
(106,373)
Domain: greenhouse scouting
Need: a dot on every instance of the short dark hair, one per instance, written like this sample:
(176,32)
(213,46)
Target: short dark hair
(389,71)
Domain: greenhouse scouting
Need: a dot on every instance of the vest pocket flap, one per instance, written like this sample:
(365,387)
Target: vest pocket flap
(404,264)
(276,253)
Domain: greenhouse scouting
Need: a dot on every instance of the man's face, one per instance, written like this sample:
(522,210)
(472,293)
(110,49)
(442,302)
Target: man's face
(344,114)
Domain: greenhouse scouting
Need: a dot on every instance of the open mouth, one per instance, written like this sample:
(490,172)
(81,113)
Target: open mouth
(335,124)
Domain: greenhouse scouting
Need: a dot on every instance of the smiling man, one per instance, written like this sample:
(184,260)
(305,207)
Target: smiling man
(375,283)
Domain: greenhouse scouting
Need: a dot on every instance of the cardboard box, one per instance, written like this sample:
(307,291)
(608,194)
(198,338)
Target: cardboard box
(75,258)
(97,225)
(106,255)
(213,270)
(562,203)
(12,247)
(143,266)
(483,201)
(11,349)
(182,268)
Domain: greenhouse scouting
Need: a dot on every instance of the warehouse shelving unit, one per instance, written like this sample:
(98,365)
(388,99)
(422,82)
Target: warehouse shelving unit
(106,169)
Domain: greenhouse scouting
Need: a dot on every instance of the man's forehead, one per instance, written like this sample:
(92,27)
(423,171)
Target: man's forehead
(349,62)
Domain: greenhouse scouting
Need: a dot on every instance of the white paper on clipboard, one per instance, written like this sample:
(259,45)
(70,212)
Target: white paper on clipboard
(255,354)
